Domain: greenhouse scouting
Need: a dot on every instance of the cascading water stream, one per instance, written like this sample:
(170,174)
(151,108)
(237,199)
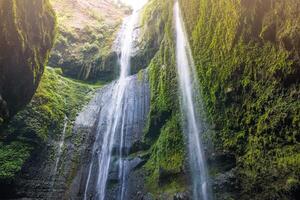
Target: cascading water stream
(113,117)
(192,126)
(60,146)
(58,156)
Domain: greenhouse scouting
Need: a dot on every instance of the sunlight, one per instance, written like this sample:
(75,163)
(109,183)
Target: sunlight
(135,4)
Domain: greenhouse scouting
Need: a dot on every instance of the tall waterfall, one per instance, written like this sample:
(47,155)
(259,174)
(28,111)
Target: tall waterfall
(192,124)
(112,119)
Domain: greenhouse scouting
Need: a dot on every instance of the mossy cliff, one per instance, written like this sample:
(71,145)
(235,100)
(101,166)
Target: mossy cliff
(151,33)
(29,142)
(247,58)
(87,30)
(165,167)
(27,31)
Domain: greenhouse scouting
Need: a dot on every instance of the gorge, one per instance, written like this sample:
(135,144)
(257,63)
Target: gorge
(150,99)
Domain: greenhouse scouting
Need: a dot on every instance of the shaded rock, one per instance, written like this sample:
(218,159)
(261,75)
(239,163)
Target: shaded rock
(223,161)
(26,32)
(226,182)
(138,146)
(181,196)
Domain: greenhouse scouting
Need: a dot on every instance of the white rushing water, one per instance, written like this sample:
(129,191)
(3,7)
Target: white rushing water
(189,91)
(113,116)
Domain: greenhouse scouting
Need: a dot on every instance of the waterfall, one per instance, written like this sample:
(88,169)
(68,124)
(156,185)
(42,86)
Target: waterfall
(60,146)
(189,91)
(58,157)
(112,120)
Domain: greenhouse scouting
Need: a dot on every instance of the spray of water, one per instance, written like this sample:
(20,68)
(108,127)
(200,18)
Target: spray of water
(188,88)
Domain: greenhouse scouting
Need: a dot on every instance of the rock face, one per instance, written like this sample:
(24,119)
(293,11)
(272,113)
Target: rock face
(86,32)
(38,149)
(163,132)
(26,32)
(60,169)
(85,47)
(246,54)
(137,102)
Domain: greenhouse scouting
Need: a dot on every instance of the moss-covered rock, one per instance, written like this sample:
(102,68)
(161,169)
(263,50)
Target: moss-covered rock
(165,167)
(151,33)
(247,58)
(27,31)
(31,129)
(166,164)
(87,30)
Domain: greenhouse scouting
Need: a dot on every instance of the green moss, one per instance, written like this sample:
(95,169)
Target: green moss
(249,77)
(84,43)
(168,151)
(168,155)
(43,118)
(163,83)
(56,97)
(58,70)
(12,157)
(27,31)
(140,76)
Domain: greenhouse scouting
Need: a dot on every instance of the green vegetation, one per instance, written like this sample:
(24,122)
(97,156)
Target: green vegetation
(247,58)
(27,31)
(85,38)
(12,157)
(151,34)
(43,118)
(167,158)
(167,154)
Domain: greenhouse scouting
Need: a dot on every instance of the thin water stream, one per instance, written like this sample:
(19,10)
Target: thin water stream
(60,146)
(189,91)
(58,157)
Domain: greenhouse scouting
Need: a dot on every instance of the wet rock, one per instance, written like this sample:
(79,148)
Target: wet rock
(165,175)
(148,196)
(137,99)
(138,146)
(223,161)
(226,182)
(181,196)
(4,113)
